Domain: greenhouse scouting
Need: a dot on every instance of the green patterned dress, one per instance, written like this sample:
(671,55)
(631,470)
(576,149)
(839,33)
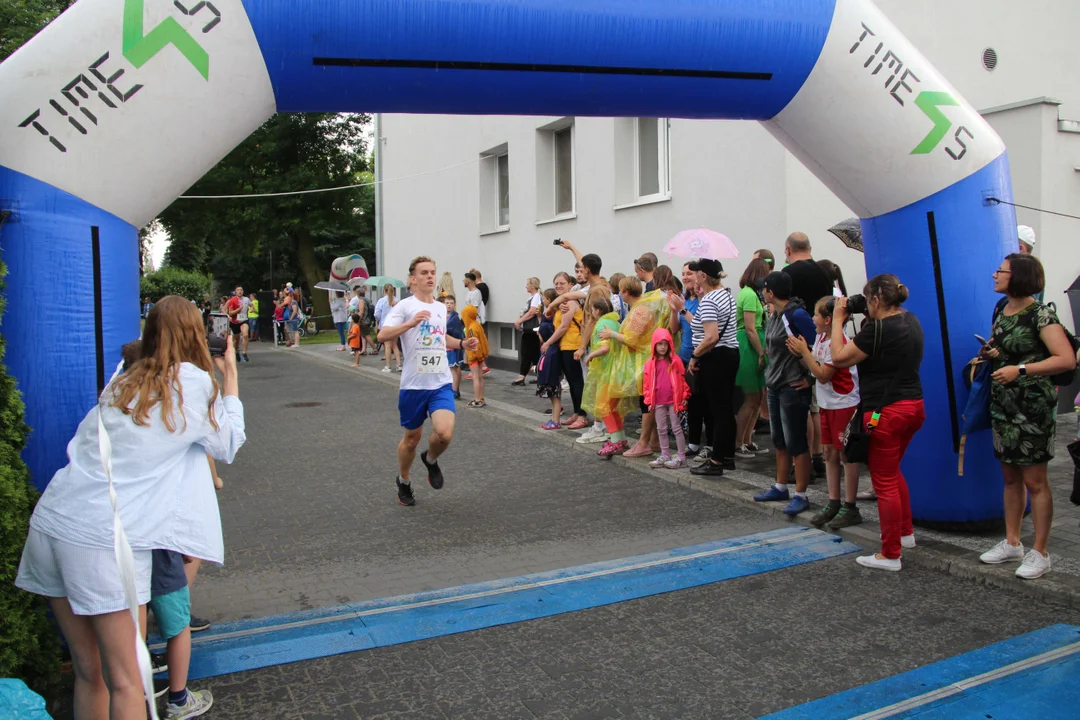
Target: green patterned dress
(1023,414)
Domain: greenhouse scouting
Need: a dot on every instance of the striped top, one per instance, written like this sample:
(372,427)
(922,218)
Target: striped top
(718,307)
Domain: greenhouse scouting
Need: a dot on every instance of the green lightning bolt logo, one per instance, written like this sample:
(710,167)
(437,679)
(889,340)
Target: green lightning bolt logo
(930,103)
(139,47)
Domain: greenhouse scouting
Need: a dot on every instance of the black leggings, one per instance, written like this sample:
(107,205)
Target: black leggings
(718,370)
(571,370)
(528,351)
(698,414)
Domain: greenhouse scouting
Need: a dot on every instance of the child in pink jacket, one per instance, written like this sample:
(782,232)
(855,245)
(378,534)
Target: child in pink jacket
(666,393)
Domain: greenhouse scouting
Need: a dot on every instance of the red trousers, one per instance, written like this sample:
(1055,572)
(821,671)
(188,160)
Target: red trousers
(898,424)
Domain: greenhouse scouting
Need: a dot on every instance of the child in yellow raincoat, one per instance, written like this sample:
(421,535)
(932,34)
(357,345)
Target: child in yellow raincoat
(475,358)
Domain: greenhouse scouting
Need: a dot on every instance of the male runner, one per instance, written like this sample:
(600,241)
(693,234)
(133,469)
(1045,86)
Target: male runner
(426,383)
(237,309)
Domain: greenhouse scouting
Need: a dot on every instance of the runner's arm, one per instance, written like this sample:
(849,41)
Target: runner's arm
(390,332)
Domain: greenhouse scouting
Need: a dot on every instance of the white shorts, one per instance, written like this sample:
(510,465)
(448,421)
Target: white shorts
(88,577)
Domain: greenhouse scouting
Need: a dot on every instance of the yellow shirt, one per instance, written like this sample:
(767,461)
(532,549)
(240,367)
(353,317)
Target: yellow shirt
(572,339)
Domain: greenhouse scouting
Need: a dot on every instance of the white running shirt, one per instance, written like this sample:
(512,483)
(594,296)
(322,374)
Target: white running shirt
(423,346)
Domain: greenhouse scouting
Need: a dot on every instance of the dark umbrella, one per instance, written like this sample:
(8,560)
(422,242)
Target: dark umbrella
(850,233)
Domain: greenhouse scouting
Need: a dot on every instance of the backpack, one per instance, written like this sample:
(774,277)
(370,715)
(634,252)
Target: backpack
(367,319)
(1062,379)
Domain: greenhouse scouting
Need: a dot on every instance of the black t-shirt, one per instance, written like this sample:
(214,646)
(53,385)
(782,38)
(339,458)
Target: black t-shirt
(898,354)
(167,573)
(484,292)
(809,282)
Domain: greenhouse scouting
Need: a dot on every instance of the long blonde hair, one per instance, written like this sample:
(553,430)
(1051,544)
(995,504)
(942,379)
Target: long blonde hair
(445,286)
(174,333)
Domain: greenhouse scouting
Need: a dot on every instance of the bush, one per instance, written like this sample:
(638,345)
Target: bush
(29,647)
(174,281)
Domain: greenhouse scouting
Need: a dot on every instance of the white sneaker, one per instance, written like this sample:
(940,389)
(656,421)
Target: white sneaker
(1003,552)
(1035,565)
(907,541)
(592,436)
(386,368)
(873,561)
(755,448)
(745,453)
(198,702)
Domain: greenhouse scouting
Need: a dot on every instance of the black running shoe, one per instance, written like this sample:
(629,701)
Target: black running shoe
(404,494)
(434,474)
(158,663)
(198,624)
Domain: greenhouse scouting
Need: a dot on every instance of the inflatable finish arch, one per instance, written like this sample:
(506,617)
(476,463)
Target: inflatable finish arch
(120,105)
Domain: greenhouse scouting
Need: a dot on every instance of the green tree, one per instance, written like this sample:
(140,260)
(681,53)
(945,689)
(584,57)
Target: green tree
(21,20)
(234,239)
(29,647)
(174,281)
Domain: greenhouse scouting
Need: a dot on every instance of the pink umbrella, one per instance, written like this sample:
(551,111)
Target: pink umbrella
(702,243)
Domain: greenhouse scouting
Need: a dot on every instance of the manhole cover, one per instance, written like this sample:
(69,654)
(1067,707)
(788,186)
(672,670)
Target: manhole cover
(302,404)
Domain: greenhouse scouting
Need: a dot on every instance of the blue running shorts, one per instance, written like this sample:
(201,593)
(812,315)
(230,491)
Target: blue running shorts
(415,406)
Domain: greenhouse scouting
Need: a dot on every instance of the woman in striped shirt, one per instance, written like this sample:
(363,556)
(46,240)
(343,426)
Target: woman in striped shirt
(715,363)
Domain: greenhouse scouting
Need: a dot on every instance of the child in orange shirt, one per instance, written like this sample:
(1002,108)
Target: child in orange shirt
(354,339)
(473,329)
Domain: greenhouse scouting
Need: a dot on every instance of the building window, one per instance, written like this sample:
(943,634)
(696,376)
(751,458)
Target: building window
(502,184)
(642,160)
(555,180)
(495,190)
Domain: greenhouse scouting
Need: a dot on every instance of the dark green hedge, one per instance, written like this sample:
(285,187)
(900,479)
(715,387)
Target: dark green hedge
(29,647)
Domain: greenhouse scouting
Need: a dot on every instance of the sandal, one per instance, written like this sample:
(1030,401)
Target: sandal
(551,425)
(477,404)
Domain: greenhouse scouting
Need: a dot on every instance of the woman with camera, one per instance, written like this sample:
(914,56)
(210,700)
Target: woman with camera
(162,416)
(529,351)
(1026,347)
(888,351)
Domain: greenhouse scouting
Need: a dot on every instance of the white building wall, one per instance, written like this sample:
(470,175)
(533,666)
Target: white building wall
(730,176)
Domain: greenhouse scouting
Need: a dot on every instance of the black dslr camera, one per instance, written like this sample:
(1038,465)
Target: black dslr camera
(856,305)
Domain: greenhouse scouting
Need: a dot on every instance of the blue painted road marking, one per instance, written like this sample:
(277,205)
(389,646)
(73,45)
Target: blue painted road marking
(251,644)
(1029,677)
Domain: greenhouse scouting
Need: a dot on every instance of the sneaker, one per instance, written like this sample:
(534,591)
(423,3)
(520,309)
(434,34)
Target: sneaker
(398,369)
(660,461)
(487,370)
(592,436)
(846,518)
(552,425)
(196,704)
(468,376)
(434,474)
(246,358)
(797,505)
(676,463)
(773,494)
(827,513)
(404,493)
(386,369)
(873,561)
(1035,565)
(758,450)
(613,448)
(867,495)
(457,394)
(708,469)
(158,663)
(745,453)
(706,450)
(728,464)
(1003,552)
(198,624)
(907,541)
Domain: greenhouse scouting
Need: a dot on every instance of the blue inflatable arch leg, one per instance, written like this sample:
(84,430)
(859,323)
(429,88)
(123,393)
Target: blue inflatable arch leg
(119,105)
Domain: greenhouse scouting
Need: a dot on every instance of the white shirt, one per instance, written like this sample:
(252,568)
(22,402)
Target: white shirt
(162,479)
(382,309)
(337,309)
(843,390)
(427,338)
(354,305)
(476,298)
(245,303)
(719,307)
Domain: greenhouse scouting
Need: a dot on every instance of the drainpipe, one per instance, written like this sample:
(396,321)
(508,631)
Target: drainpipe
(380,262)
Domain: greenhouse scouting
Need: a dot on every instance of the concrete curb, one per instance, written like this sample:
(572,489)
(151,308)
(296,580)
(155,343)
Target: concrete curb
(739,486)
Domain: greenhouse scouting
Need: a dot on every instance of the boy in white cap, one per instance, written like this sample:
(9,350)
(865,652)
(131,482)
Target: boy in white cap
(1026,236)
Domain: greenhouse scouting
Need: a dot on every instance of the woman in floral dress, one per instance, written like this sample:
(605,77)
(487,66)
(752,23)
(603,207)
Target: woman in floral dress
(1027,346)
